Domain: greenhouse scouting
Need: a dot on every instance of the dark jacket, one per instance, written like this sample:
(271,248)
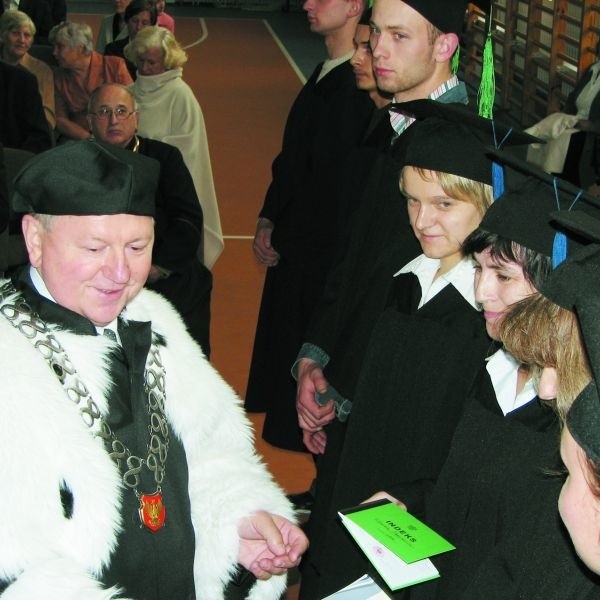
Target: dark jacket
(117,48)
(22,121)
(40,12)
(178,237)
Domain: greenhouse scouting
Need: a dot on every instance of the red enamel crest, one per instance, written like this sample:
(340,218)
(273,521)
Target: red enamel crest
(152,511)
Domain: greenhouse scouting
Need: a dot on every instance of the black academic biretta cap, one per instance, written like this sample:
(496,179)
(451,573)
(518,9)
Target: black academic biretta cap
(87,178)
(447,15)
(524,213)
(453,138)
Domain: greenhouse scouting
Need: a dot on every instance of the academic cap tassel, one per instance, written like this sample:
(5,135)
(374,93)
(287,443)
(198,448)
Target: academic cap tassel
(455,63)
(487,87)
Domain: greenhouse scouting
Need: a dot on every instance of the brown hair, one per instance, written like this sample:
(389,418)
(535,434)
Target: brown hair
(539,333)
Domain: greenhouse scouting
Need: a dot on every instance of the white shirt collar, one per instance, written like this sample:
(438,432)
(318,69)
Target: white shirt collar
(332,63)
(461,276)
(39,285)
(503,370)
(42,290)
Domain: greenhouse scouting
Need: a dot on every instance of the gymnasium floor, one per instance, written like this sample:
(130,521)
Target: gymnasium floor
(245,79)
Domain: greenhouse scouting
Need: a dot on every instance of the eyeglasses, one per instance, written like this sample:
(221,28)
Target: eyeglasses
(121,113)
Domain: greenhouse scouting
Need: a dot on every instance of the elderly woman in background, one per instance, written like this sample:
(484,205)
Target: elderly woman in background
(80,71)
(113,26)
(16,36)
(138,15)
(169,112)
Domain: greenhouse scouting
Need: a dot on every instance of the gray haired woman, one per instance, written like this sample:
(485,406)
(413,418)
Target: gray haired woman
(17,31)
(169,112)
(80,71)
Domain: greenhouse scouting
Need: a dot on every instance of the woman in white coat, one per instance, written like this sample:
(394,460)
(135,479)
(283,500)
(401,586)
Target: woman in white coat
(169,112)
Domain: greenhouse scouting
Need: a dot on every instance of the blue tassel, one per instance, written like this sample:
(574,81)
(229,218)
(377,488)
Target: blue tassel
(497,180)
(559,249)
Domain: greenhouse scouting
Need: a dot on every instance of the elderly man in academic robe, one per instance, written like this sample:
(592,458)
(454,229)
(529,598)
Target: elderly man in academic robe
(128,467)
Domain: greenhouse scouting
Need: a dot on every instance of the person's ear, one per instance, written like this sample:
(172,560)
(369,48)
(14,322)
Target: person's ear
(445,46)
(88,118)
(33,232)
(355,8)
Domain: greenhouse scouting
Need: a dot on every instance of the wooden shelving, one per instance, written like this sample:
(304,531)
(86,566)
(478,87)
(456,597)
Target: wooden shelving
(540,49)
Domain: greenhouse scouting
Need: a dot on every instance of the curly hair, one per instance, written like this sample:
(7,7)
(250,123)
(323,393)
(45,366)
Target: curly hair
(73,34)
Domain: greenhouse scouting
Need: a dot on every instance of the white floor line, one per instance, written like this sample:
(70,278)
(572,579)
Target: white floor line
(285,52)
(238,237)
(202,38)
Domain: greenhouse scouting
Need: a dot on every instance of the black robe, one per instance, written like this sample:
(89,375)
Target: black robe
(496,500)
(418,369)
(177,238)
(308,203)
(379,241)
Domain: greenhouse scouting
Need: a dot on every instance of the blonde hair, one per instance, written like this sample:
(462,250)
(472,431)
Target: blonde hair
(12,20)
(157,37)
(539,333)
(460,188)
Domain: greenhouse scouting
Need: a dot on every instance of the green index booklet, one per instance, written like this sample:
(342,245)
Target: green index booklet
(397,543)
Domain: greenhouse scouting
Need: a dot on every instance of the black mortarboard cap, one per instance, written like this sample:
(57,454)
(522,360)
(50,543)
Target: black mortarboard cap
(87,178)
(453,138)
(581,222)
(524,213)
(447,15)
(575,285)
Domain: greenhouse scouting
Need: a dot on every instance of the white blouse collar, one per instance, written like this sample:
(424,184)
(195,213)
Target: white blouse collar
(461,276)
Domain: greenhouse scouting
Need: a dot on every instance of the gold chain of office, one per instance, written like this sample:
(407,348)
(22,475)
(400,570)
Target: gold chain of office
(20,315)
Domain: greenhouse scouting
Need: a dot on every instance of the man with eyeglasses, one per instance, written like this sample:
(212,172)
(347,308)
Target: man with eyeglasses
(177,271)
